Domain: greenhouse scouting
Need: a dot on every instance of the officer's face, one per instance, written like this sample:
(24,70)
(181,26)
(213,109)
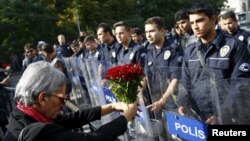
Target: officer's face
(91,45)
(202,25)
(136,37)
(229,25)
(61,39)
(184,25)
(101,35)
(153,34)
(76,48)
(122,36)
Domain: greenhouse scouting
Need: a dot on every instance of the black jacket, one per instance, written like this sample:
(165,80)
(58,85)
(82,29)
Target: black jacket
(61,128)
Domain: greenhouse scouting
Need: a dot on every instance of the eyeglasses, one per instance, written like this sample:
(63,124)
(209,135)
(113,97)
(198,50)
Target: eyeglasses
(29,51)
(63,100)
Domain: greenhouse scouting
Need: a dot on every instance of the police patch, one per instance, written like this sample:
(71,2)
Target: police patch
(131,56)
(241,38)
(113,54)
(244,67)
(96,54)
(150,63)
(224,50)
(143,55)
(167,54)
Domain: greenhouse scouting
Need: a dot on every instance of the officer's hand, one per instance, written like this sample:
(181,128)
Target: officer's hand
(212,120)
(181,110)
(156,106)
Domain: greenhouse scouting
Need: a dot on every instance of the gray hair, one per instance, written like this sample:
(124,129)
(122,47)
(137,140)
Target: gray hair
(38,76)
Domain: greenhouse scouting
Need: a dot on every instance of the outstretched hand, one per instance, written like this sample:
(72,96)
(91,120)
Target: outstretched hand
(156,106)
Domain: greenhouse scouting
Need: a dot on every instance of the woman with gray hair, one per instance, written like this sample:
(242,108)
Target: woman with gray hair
(40,96)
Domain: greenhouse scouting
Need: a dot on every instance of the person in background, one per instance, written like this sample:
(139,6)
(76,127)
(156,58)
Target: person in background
(31,55)
(79,49)
(229,24)
(40,96)
(93,49)
(138,37)
(63,49)
(187,36)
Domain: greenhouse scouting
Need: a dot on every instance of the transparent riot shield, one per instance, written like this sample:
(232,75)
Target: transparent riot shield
(205,98)
(141,127)
(234,101)
(78,79)
(158,80)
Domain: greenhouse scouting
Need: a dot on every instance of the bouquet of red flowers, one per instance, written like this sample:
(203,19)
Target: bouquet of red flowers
(125,81)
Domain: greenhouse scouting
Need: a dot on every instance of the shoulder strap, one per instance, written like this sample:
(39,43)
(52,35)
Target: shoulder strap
(204,65)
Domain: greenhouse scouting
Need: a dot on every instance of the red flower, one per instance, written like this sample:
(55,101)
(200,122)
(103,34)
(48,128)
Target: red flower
(125,81)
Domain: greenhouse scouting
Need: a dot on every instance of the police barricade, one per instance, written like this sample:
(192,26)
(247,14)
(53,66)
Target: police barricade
(141,127)
(203,95)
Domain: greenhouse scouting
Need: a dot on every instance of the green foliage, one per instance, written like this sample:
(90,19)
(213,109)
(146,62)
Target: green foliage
(23,21)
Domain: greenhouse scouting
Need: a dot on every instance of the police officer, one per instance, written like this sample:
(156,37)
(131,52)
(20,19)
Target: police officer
(161,64)
(229,24)
(110,46)
(63,49)
(187,36)
(94,50)
(214,54)
(139,37)
(161,68)
(131,51)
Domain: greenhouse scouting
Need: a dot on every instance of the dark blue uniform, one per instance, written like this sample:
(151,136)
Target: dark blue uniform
(94,54)
(110,51)
(161,67)
(225,58)
(134,54)
(64,51)
(242,35)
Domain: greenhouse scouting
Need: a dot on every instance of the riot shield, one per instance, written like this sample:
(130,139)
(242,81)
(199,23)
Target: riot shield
(234,101)
(204,95)
(78,79)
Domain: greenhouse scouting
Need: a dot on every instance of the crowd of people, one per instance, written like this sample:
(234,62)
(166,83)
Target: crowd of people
(202,48)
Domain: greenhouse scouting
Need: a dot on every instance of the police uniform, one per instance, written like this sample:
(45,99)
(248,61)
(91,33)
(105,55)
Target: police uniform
(64,51)
(81,54)
(135,53)
(187,39)
(110,51)
(225,58)
(161,66)
(242,35)
(94,54)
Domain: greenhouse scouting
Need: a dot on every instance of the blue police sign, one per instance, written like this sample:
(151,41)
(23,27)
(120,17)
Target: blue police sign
(109,96)
(186,128)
